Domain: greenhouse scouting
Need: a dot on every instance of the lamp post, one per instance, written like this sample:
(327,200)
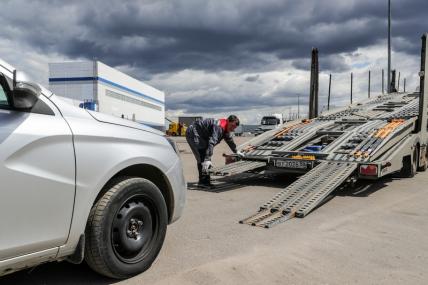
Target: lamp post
(389,47)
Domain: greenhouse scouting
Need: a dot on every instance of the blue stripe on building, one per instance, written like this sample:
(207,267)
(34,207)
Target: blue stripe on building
(111,83)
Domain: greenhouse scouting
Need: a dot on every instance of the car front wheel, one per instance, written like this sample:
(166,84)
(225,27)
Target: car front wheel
(126,228)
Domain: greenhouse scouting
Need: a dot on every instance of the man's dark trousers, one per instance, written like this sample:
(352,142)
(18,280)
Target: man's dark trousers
(199,151)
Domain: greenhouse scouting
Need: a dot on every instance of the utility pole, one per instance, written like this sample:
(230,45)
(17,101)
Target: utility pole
(421,124)
(369,86)
(298,106)
(351,86)
(383,78)
(404,85)
(313,91)
(398,87)
(392,85)
(389,47)
(329,90)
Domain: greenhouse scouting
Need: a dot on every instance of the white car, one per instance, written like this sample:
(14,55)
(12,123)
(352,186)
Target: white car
(81,185)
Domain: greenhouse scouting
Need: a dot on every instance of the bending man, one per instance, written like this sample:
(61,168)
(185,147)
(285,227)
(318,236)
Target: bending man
(203,135)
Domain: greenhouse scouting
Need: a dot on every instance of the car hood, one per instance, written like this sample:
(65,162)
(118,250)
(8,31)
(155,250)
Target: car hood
(68,110)
(122,122)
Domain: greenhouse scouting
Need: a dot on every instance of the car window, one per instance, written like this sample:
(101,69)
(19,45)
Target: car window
(3,97)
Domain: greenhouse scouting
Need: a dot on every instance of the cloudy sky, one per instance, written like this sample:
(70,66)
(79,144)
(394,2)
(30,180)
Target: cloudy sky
(218,57)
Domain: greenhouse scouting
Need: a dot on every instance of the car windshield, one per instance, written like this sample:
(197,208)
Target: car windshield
(270,121)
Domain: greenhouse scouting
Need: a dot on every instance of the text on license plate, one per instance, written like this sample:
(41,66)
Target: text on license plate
(291,164)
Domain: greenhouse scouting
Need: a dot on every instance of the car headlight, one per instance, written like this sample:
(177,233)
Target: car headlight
(173,144)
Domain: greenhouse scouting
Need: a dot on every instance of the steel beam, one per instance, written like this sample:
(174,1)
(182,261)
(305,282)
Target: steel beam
(313,92)
(423,97)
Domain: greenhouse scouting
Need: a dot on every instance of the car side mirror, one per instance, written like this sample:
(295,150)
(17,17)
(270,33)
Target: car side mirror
(25,94)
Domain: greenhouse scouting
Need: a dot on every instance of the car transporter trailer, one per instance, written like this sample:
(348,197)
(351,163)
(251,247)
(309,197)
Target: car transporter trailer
(365,140)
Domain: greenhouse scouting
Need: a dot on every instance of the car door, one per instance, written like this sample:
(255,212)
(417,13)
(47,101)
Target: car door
(37,177)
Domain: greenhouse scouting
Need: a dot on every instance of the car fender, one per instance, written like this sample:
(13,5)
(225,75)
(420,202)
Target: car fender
(103,150)
(85,198)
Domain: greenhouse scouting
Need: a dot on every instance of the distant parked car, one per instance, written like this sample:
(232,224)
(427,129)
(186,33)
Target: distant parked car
(269,123)
(81,185)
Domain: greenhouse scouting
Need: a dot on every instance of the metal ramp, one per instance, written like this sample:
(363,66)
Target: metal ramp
(302,196)
(237,167)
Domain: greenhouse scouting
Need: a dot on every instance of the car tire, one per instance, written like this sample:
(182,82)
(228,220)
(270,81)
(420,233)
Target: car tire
(126,228)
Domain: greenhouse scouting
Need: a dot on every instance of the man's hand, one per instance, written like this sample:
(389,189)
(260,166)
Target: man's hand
(207,164)
(240,154)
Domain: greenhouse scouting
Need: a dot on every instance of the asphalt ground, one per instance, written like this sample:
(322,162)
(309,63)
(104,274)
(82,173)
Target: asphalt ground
(373,234)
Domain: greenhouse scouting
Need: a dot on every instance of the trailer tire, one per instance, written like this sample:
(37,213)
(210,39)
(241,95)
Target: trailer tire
(126,228)
(410,163)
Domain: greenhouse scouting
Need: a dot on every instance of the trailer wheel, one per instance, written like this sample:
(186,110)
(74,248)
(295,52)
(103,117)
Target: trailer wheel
(410,163)
(126,228)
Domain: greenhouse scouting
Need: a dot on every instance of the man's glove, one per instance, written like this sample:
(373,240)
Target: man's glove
(207,164)
(240,154)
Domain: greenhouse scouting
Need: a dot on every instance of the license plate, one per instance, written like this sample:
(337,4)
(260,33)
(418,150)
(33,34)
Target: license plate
(300,164)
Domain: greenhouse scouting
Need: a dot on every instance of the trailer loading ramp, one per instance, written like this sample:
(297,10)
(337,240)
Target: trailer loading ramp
(302,196)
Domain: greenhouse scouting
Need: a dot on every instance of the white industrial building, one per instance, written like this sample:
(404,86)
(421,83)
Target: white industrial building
(99,87)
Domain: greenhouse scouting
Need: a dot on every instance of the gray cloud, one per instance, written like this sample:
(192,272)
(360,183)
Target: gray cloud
(149,38)
(302,63)
(162,36)
(221,101)
(215,103)
(329,63)
(252,78)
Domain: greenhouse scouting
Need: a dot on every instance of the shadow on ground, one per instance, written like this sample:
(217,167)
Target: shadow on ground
(362,188)
(229,183)
(365,188)
(57,273)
